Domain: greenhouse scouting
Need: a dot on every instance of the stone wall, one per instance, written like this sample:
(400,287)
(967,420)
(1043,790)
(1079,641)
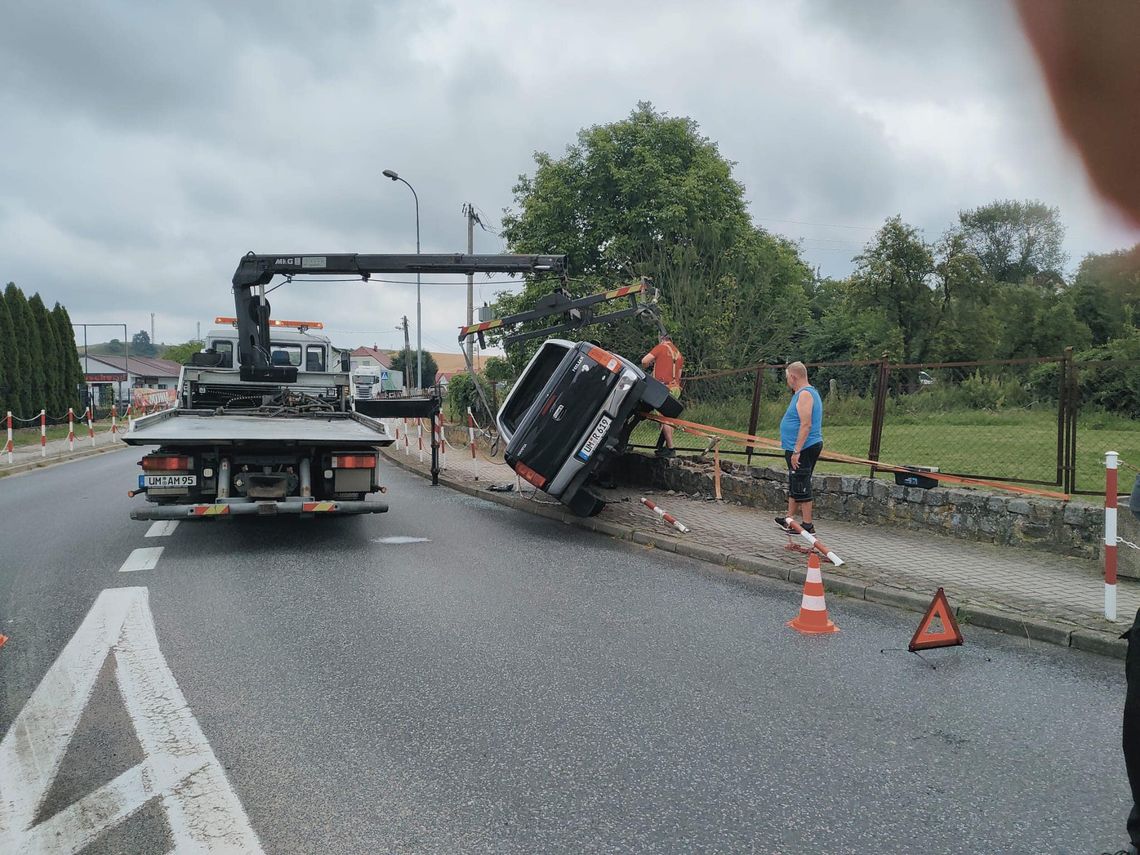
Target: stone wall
(1050,525)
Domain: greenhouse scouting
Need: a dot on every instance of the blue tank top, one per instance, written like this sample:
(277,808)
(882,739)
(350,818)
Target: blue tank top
(790,423)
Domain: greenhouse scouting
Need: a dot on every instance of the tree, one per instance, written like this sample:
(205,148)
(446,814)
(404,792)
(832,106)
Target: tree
(430,368)
(29,354)
(8,377)
(69,357)
(49,354)
(650,196)
(895,275)
(141,345)
(1106,293)
(1017,241)
(114,346)
(181,353)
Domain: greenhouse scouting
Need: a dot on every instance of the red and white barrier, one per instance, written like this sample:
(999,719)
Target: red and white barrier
(471,432)
(669,518)
(815,543)
(437,427)
(90,426)
(8,445)
(1111,462)
(407,447)
(70,429)
(420,437)
(43,433)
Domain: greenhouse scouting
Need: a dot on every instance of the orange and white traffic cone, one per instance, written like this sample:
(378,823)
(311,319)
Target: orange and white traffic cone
(813,619)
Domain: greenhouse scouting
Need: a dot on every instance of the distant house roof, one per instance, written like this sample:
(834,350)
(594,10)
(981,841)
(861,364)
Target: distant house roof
(148,366)
(382,357)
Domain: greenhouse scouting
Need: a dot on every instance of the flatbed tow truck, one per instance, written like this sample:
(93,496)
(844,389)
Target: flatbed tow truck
(260,433)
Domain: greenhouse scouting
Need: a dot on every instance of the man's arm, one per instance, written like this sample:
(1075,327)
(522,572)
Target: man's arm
(804,404)
(648,359)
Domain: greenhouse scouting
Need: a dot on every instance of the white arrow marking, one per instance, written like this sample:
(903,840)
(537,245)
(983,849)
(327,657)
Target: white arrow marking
(179,767)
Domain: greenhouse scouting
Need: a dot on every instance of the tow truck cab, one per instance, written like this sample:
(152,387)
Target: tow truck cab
(573,406)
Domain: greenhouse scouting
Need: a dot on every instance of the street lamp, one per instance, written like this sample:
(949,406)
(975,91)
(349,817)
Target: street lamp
(389,173)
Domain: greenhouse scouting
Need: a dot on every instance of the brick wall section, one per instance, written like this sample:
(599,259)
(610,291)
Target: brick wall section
(1045,524)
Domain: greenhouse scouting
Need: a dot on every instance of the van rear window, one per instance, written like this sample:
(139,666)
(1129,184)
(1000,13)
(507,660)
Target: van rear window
(531,384)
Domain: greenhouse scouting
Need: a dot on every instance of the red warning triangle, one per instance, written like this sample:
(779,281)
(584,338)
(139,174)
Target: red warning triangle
(3,638)
(948,636)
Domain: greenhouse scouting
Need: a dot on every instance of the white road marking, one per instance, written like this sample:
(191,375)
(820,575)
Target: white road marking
(161,528)
(179,767)
(144,558)
(400,539)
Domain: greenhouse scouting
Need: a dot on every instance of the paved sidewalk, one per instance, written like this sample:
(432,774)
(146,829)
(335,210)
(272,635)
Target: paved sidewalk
(1041,596)
(25,457)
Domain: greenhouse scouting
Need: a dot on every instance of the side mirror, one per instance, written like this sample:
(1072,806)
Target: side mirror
(1134,499)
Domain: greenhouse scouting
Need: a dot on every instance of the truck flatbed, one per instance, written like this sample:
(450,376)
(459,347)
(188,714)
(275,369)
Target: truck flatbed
(187,428)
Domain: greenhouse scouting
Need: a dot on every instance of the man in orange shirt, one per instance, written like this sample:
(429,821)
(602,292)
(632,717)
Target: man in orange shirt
(667,363)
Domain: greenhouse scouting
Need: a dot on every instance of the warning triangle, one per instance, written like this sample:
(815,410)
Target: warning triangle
(946,634)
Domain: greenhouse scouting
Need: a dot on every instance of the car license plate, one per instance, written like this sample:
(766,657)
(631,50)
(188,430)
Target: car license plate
(168,480)
(595,438)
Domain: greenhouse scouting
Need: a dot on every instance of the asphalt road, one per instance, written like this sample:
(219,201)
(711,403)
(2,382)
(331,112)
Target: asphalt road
(487,681)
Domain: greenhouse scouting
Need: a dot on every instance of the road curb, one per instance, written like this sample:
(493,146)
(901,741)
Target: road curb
(1011,623)
(49,462)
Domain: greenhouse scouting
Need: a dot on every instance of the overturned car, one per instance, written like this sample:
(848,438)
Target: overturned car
(573,407)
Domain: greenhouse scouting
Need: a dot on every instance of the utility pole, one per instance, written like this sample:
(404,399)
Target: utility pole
(471,218)
(407,357)
(198,337)
(152,327)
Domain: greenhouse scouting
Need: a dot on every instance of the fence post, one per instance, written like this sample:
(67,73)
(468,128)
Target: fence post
(754,415)
(71,428)
(879,411)
(1110,490)
(1073,395)
(43,433)
(8,444)
(1062,418)
(436,430)
(90,426)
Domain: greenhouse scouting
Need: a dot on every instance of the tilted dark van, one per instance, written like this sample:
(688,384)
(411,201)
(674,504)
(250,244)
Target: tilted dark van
(575,405)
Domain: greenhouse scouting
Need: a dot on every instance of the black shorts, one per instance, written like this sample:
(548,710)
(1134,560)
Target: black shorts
(799,480)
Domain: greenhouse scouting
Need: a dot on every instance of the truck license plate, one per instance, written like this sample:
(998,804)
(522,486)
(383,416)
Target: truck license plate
(595,439)
(168,480)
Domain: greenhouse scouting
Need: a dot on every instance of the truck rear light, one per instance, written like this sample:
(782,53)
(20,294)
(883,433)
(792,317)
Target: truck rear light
(165,463)
(604,357)
(529,474)
(353,461)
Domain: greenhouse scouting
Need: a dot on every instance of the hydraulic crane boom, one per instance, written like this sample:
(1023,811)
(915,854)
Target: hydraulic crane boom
(254,272)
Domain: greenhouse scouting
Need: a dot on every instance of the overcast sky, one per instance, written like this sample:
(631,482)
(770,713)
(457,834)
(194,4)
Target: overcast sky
(146,146)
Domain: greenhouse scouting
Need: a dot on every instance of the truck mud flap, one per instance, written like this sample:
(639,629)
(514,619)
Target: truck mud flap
(265,509)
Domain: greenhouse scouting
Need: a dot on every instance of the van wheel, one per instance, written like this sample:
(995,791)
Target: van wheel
(585,504)
(671,408)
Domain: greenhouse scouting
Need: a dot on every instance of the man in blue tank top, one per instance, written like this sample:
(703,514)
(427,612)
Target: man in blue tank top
(801,437)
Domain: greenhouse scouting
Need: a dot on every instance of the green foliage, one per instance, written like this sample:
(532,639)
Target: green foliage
(8,378)
(1017,242)
(26,395)
(141,344)
(114,346)
(71,370)
(498,370)
(461,394)
(1106,293)
(649,196)
(1112,387)
(430,369)
(52,391)
(181,353)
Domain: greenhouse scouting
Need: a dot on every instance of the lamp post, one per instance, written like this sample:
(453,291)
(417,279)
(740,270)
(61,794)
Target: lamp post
(388,173)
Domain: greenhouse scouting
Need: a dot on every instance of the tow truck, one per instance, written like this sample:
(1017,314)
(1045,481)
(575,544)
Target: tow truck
(576,403)
(263,427)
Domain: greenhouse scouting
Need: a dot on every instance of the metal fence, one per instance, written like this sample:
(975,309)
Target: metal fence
(1045,421)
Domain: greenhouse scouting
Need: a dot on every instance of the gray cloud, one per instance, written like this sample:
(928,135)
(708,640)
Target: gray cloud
(148,146)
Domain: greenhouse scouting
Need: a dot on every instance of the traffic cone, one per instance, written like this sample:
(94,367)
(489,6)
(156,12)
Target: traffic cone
(812,619)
